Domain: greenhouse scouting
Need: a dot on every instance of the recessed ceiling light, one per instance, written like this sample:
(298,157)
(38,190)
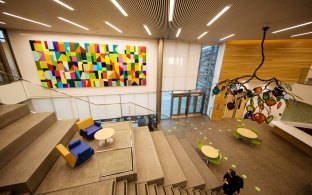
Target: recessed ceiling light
(178,33)
(26,19)
(119,7)
(73,23)
(147,30)
(2,1)
(292,27)
(297,35)
(114,27)
(200,36)
(63,4)
(2,22)
(219,15)
(227,37)
(171,10)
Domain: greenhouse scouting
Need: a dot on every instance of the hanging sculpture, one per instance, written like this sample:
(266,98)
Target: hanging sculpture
(271,93)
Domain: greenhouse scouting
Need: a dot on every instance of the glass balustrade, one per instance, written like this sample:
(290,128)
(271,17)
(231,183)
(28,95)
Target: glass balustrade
(106,108)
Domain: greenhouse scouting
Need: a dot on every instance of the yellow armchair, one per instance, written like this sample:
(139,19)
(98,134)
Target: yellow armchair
(69,157)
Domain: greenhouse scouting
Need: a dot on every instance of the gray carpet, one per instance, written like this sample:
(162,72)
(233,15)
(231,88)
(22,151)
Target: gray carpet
(274,167)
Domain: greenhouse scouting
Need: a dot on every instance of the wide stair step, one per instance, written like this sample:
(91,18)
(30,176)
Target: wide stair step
(98,188)
(191,191)
(193,177)
(11,113)
(132,188)
(27,169)
(176,191)
(142,189)
(161,190)
(18,135)
(211,181)
(152,189)
(183,191)
(148,166)
(169,190)
(173,173)
(121,188)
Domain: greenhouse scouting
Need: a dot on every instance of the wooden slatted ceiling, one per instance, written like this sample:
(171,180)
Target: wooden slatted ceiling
(284,59)
(245,18)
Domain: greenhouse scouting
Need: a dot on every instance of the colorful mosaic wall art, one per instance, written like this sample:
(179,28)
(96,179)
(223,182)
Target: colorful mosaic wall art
(75,65)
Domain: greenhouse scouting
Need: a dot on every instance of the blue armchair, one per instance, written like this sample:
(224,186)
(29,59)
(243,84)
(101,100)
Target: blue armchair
(77,153)
(88,127)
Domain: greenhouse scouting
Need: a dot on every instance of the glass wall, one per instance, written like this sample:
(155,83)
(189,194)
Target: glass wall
(165,104)
(7,60)
(206,69)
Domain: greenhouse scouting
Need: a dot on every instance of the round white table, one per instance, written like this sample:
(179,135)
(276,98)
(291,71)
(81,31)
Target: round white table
(246,133)
(104,136)
(210,151)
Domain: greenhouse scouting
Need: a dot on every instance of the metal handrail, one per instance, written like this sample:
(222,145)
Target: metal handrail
(65,94)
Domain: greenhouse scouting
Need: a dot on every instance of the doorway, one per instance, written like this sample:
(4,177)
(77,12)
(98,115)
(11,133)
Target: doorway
(187,103)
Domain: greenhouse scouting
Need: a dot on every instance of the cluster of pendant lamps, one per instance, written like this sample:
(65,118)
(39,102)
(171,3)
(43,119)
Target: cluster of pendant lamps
(261,99)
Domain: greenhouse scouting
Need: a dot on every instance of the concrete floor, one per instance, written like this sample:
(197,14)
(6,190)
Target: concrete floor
(274,167)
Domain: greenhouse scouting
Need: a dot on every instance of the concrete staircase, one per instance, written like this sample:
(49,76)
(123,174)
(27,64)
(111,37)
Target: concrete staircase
(180,170)
(174,175)
(194,179)
(163,164)
(27,146)
(148,166)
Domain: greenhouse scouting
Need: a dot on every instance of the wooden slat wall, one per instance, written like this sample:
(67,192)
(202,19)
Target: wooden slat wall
(284,60)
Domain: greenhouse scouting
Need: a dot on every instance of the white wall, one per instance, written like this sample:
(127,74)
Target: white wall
(21,48)
(180,65)
(12,93)
(303,91)
(67,107)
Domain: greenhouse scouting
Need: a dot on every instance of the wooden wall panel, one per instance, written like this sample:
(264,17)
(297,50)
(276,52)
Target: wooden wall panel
(218,107)
(284,59)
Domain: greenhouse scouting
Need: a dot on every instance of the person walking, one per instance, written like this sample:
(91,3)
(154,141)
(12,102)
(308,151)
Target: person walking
(232,183)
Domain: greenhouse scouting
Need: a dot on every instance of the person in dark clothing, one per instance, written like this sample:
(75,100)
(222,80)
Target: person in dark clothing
(151,123)
(232,183)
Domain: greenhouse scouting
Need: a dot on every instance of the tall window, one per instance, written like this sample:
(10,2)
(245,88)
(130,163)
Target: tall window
(7,61)
(206,69)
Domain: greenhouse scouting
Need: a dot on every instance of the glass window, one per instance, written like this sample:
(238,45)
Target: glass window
(2,36)
(206,69)
(165,104)
(8,66)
